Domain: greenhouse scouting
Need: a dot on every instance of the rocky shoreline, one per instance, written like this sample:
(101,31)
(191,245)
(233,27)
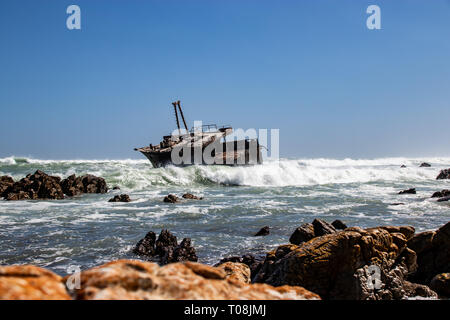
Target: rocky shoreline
(328,261)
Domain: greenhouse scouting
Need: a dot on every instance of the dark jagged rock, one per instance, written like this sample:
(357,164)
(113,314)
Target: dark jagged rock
(38,185)
(146,246)
(408,191)
(5,183)
(171,198)
(93,184)
(302,234)
(442,193)
(191,196)
(433,253)
(444,174)
(441,284)
(322,228)
(120,198)
(443,199)
(339,225)
(72,186)
(165,249)
(263,232)
(402,166)
(425,165)
(338,265)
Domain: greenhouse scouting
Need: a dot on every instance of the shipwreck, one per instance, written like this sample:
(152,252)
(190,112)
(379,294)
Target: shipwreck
(206,145)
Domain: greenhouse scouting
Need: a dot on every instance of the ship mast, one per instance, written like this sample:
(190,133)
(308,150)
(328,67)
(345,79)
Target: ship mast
(176,116)
(182,116)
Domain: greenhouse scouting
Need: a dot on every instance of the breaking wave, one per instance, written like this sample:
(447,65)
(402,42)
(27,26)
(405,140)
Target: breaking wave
(139,174)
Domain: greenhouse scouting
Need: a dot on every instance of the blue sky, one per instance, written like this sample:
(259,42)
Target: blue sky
(310,68)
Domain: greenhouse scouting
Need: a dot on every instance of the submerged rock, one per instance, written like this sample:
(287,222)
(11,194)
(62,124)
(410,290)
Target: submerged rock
(27,282)
(425,165)
(443,199)
(165,249)
(444,174)
(402,166)
(116,188)
(408,191)
(442,193)
(136,280)
(191,196)
(120,198)
(339,265)
(171,198)
(263,232)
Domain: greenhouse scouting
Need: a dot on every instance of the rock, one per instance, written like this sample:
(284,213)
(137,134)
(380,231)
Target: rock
(35,186)
(171,198)
(116,188)
(146,246)
(425,165)
(72,186)
(322,227)
(254,263)
(93,184)
(442,193)
(165,249)
(397,204)
(443,199)
(5,183)
(433,254)
(408,191)
(120,198)
(444,174)
(338,225)
(302,234)
(237,271)
(136,280)
(263,232)
(402,166)
(26,282)
(338,265)
(441,284)
(191,196)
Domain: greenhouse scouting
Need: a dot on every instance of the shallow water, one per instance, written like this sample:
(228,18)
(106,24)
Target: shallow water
(87,230)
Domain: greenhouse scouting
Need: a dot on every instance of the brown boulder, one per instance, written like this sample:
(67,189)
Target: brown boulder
(441,284)
(338,265)
(322,228)
(302,234)
(237,271)
(26,282)
(129,279)
(433,253)
(36,186)
(93,184)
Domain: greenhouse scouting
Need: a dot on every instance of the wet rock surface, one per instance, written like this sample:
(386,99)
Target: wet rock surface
(41,186)
(425,165)
(191,196)
(120,198)
(440,194)
(165,249)
(408,191)
(137,280)
(35,186)
(171,198)
(443,174)
(264,231)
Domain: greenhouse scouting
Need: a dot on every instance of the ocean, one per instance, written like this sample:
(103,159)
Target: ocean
(87,230)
